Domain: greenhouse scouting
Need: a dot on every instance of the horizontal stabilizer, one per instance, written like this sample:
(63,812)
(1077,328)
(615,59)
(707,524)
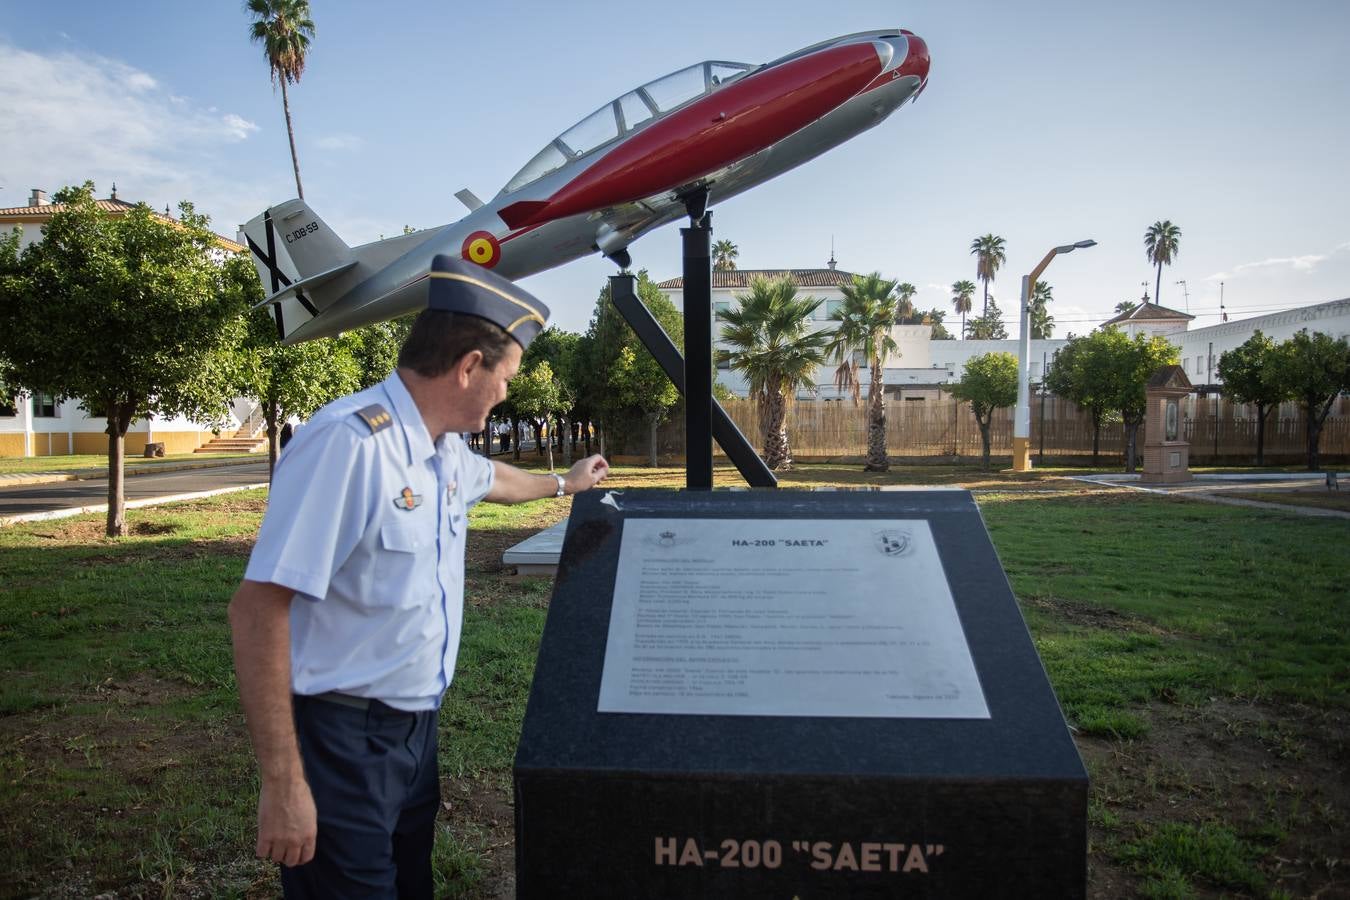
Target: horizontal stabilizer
(521,213)
(469,199)
(307,284)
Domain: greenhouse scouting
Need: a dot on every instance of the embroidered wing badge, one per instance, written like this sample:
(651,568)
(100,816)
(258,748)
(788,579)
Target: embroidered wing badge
(407,500)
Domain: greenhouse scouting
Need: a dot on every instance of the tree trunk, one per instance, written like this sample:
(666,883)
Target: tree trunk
(1131,431)
(550,453)
(119,420)
(1314,437)
(1261,412)
(515,438)
(777,452)
(984,436)
(653,420)
(538,437)
(290,133)
(986,296)
(569,442)
(876,422)
(1157,286)
(271,412)
(1096,437)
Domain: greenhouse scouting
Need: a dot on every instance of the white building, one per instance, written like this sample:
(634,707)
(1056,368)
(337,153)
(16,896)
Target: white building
(38,425)
(1201,348)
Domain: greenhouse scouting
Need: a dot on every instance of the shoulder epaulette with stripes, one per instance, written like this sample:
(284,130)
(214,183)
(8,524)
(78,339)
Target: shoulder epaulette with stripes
(376,417)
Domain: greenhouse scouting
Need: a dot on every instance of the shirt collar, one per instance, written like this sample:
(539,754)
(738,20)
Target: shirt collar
(417,439)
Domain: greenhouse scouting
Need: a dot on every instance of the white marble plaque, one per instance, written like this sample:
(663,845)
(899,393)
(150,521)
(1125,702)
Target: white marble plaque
(786,617)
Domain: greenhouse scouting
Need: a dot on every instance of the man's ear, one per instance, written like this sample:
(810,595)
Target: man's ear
(465,367)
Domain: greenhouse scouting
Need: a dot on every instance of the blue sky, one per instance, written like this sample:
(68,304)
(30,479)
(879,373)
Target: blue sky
(1044,122)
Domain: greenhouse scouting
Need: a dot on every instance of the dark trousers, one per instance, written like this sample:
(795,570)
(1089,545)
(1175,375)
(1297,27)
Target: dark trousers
(373,775)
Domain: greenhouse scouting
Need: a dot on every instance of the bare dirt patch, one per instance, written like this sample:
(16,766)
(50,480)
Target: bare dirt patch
(1087,615)
(470,804)
(1275,775)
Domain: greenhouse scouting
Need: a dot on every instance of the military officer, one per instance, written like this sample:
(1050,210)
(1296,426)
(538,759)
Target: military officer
(347,624)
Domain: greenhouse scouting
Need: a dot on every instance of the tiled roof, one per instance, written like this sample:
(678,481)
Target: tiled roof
(740,278)
(1149,312)
(111,205)
(51,209)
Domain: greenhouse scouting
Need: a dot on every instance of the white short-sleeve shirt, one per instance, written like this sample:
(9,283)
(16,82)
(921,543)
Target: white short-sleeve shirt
(367,526)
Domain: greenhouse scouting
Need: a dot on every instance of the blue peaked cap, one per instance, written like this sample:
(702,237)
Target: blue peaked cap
(462,287)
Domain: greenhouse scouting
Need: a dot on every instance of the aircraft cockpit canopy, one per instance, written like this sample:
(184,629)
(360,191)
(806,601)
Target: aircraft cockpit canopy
(627,114)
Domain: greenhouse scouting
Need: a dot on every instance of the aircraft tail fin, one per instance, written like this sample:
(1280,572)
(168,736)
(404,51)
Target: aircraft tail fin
(295,252)
(519,214)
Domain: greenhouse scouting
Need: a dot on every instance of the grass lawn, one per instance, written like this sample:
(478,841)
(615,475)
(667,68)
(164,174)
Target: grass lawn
(29,465)
(1200,652)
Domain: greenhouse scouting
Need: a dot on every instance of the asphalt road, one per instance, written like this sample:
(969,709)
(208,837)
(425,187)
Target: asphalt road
(142,490)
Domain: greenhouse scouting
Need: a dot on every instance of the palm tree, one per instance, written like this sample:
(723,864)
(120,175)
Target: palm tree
(989,255)
(1042,323)
(865,320)
(904,303)
(1161,240)
(1125,306)
(962,292)
(724,256)
(285,29)
(772,345)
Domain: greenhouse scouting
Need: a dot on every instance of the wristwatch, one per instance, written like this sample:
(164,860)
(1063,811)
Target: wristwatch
(561,485)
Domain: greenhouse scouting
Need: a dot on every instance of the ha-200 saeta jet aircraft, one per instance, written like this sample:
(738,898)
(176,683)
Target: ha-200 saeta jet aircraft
(709,131)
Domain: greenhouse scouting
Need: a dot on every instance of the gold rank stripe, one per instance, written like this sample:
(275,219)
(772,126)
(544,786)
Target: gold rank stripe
(531,316)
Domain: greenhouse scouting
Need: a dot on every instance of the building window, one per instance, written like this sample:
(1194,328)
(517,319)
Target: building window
(1035,370)
(859,359)
(832,307)
(1199,365)
(1186,365)
(44,406)
(721,308)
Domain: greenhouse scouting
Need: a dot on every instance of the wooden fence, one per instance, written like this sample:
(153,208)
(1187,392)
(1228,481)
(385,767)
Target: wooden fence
(1219,431)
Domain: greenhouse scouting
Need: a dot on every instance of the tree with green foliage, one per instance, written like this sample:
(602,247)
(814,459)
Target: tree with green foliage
(988,327)
(560,350)
(989,254)
(1126,306)
(962,294)
(285,29)
(538,397)
(641,385)
(864,326)
(724,256)
(1079,375)
(934,319)
(287,381)
(1042,323)
(904,304)
(770,342)
(1114,371)
(1313,369)
(121,312)
(598,356)
(988,382)
(375,349)
(1249,374)
(1161,241)
(1133,364)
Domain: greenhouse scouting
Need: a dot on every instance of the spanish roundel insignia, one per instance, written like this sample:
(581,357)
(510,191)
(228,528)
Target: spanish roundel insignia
(482,248)
(407,499)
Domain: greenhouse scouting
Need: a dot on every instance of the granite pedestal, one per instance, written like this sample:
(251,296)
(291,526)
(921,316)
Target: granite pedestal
(637,805)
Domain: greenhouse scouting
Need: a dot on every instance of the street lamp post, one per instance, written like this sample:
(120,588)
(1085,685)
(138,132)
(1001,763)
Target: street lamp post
(1022,418)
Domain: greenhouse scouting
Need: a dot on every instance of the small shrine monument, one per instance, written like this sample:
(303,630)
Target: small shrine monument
(1166,450)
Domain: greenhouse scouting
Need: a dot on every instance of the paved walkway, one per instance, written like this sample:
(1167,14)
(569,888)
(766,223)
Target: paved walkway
(56,495)
(1212,488)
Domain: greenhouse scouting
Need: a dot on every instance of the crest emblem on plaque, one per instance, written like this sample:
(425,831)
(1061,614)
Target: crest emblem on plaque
(892,542)
(666,540)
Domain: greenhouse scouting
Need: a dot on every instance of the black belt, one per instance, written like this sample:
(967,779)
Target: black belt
(362,703)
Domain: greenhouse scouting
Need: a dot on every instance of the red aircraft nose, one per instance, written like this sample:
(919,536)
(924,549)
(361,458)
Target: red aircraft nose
(916,62)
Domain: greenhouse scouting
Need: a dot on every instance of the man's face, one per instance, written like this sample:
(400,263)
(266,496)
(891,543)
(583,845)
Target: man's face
(489,385)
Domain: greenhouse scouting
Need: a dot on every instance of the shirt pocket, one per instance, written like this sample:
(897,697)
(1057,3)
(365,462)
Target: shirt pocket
(403,547)
(457,516)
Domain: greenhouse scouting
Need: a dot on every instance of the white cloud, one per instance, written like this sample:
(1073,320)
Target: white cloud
(238,126)
(71,117)
(1305,263)
(339,142)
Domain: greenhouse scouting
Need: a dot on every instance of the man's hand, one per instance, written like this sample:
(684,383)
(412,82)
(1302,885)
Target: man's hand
(287,825)
(586,474)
